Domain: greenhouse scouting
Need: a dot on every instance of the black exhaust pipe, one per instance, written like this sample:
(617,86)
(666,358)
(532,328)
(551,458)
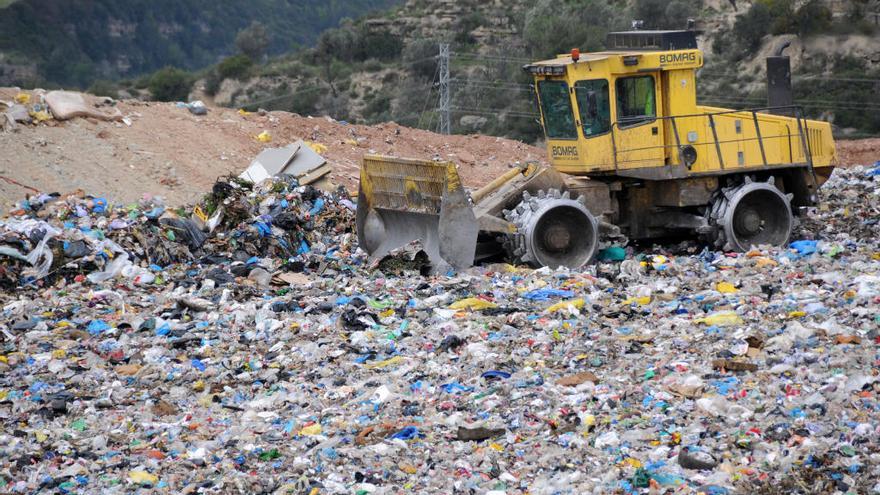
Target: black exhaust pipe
(779,82)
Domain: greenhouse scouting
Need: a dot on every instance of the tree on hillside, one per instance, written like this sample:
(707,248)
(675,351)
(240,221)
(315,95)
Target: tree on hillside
(553,27)
(170,84)
(663,14)
(253,40)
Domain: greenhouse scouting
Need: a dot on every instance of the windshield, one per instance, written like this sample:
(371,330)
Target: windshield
(556,107)
(594,106)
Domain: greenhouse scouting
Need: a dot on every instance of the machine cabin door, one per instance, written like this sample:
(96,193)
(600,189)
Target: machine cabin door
(638,132)
(593,99)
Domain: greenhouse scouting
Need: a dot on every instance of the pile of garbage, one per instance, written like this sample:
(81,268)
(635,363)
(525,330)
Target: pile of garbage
(266,355)
(278,225)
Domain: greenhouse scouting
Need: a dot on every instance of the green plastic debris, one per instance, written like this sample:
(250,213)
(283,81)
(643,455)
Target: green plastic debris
(642,478)
(269,455)
(613,253)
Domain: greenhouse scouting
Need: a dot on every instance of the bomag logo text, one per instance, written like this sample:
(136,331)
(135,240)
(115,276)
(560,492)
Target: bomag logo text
(677,58)
(565,152)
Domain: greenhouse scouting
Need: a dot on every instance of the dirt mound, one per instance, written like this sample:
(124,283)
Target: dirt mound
(859,151)
(167,151)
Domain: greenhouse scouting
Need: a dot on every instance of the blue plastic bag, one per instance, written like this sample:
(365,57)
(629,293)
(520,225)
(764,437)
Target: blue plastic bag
(318,207)
(454,387)
(804,248)
(545,294)
(97,326)
(408,433)
(496,375)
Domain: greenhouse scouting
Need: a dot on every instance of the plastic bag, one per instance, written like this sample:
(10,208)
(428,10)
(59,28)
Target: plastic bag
(111,270)
(41,258)
(473,304)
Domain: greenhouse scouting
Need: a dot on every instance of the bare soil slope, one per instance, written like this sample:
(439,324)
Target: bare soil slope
(169,152)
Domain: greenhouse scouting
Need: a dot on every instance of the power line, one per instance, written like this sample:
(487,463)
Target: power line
(288,95)
(802,77)
(493,111)
(445,120)
(839,104)
(492,58)
(428,94)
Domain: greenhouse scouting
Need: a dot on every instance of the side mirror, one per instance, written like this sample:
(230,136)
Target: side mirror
(592,105)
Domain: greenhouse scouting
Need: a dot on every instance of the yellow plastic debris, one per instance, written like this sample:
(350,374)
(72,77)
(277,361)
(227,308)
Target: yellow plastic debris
(384,364)
(40,116)
(4,359)
(41,436)
(726,288)
(23,98)
(311,430)
(473,304)
(796,314)
(575,303)
(264,137)
(764,261)
(589,420)
(641,301)
(143,478)
(243,112)
(197,211)
(316,147)
(496,447)
(721,319)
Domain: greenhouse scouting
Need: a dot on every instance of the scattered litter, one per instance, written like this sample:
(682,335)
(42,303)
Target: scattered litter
(244,344)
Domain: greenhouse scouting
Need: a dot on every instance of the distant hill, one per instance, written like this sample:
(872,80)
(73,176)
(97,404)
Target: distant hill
(75,42)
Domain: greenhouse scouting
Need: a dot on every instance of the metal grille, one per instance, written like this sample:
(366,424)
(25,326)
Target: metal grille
(404,185)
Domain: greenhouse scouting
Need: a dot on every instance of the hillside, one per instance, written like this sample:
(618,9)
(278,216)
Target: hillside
(75,42)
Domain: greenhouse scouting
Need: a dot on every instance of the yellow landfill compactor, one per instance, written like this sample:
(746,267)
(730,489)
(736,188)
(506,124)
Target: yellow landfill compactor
(633,157)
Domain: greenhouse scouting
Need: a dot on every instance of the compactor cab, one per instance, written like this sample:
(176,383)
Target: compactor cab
(634,156)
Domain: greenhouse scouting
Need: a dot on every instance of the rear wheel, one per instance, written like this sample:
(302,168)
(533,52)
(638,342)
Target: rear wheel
(752,214)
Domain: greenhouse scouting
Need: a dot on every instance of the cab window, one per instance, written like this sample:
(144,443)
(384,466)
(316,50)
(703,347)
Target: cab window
(557,111)
(594,106)
(635,100)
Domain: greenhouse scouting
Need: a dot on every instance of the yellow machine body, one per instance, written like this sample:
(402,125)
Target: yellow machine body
(613,140)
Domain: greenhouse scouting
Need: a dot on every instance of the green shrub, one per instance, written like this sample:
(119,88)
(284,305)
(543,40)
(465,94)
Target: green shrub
(812,17)
(235,67)
(420,57)
(467,24)
(750,27)
(103,87)
(170,84)
(553,27)
(663,14)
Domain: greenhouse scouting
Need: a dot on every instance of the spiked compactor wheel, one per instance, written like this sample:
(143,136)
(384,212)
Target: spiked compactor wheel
(751,214)
(552,230)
